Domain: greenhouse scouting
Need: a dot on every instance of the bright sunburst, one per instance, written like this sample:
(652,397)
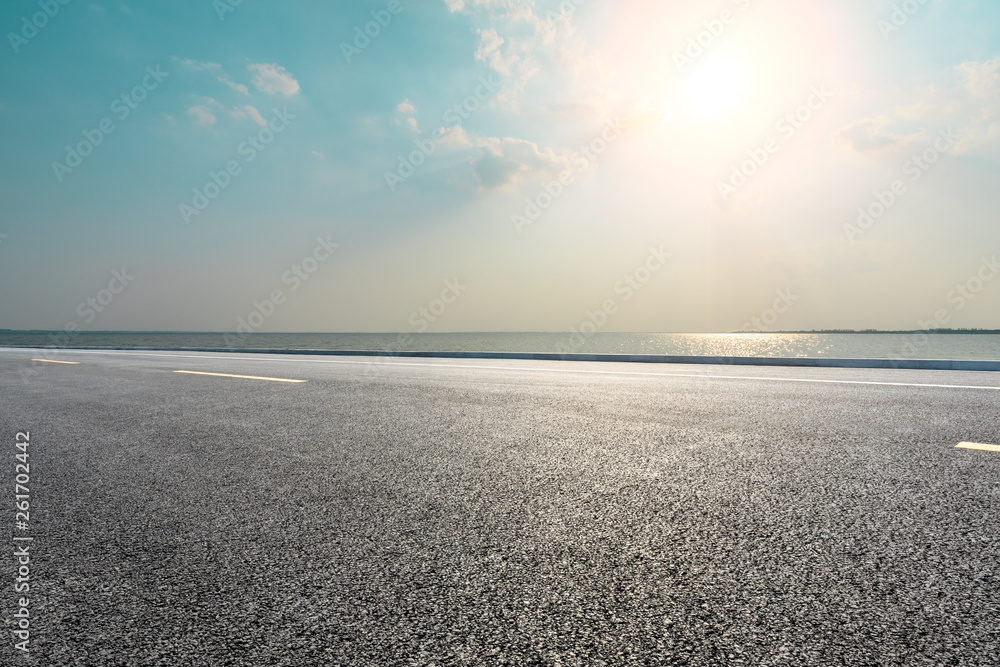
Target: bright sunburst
(716,85)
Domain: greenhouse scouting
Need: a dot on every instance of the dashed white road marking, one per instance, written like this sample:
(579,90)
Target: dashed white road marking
(979,446)
(370,360)
(241,377)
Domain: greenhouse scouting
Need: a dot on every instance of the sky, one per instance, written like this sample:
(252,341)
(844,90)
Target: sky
(499,165)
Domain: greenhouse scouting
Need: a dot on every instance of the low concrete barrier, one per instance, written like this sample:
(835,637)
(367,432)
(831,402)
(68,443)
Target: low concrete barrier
(806,362)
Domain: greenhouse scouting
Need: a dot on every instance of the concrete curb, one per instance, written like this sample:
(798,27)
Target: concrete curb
(807,362)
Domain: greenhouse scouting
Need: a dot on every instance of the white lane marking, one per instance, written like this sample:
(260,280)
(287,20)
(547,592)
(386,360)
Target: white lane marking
(53,361)
(368,360)
(979,446)
(241,377)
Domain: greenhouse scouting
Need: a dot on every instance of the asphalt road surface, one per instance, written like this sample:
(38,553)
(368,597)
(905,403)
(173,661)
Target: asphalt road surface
(455,512)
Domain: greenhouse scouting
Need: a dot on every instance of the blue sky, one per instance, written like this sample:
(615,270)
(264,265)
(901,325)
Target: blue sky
(533,84)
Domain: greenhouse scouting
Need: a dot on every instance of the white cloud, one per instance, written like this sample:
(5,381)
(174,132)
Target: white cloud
(201,115)
(489,41)
(868,134)
(971,105)
(489,51)
(982,80)
(249,111)
(502,162)
(455,138)
(210,102)
(459,5)
(199,65)
(238,87)
(272,79)
(406,107)
(519,44)
(411,122)
(216,68)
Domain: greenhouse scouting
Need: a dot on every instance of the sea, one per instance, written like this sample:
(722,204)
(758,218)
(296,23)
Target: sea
(914,345)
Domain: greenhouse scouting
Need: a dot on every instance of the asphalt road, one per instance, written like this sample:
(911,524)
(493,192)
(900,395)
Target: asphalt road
(443,512)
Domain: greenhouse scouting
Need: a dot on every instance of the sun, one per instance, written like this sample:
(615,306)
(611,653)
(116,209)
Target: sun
(716,85)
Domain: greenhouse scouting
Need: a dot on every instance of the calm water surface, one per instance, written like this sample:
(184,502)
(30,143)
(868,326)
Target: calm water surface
(912,346)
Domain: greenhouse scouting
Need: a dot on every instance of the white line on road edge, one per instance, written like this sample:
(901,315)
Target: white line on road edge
(241,377)
(979,446)
(547,370)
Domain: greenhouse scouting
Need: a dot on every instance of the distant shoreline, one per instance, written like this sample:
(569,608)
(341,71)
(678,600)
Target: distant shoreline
(992,332)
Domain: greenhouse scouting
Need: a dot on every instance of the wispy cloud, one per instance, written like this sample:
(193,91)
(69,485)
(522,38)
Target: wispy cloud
(868,134)
(489,52)
(249,111)
(971,105)
(199,65)
(982,79)
(273,79)
(407,108)
(519,44)
(238,87)
(503,162)
(201,115)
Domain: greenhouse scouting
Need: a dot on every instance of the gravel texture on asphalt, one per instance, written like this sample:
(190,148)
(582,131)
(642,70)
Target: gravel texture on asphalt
(501,513)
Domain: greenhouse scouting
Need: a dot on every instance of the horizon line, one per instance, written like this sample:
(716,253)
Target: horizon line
(970,330)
